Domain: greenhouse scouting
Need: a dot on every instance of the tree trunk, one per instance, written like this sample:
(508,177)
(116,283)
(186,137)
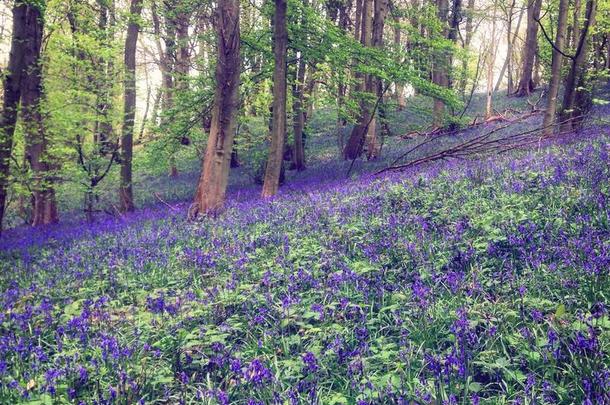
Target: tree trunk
(129,112)
(608,52)
(278,132)
(400,88)
(575,28)
(355,143)
(572,105)
(212,186)
(491,62)
(298,155)
(440,65)
(44,210)
(507,67)
(12,92)
(167,61)
(551,108)
(344,15)
(180,24)
(381,11)
(467,40)
(526,83)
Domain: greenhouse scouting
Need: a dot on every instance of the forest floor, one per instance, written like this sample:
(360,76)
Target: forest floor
(482,280)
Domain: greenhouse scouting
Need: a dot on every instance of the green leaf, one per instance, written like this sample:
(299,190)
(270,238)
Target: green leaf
(560,311)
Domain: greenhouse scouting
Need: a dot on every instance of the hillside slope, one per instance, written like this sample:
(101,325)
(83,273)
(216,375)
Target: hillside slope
(481,281)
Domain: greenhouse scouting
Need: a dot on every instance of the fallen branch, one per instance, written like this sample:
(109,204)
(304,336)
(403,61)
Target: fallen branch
(171,207)
(479,145)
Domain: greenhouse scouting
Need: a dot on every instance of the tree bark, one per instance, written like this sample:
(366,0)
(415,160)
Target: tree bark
(212,187)
(467,40)
(129,112)
(44,210)
(12,93)
(440,63)
(572,109)
(491,62)
(381,11)
(278,131)
(526,83)
(400,88)
(355,143)
(298,155)
(507,67)
(557,60)
(574,29)
(179,21)
(608,52)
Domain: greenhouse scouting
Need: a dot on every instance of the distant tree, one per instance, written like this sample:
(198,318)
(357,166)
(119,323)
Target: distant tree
(526,82)
(440,62)
(511,39)
(129,109)
(278,132)
(491,62)
(298,111)
(576,96)
(558,49)
(355,143)
(381,9)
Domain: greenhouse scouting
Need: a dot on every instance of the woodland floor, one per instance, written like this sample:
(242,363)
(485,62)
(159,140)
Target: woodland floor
(482,280)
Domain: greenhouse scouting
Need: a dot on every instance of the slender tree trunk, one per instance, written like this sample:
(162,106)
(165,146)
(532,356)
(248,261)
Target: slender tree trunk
(440,62)
(608,52)
(146,108)
(278,132)
(551,108)
(572,109)
(526,83)
(358,19)
(342,87)
(452,35)
(575,28)
(507,67)
(467,41)
(298,155)
(381,11)
(210,195)
(12,92)
(44,204)
(180,26)
(129,112)
(298,117)
(167,61)
(400,89)
(355,143)
(491,62)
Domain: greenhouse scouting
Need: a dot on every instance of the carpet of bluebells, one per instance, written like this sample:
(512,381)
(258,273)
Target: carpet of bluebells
(472,282)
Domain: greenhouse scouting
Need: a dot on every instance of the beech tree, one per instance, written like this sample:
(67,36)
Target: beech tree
(22,37)
(129,111)
(575,94)
(278,130)
(355,143)
(23,83)
(526,82)
(558,49)
(212,186)
(43,194)
(440,62)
